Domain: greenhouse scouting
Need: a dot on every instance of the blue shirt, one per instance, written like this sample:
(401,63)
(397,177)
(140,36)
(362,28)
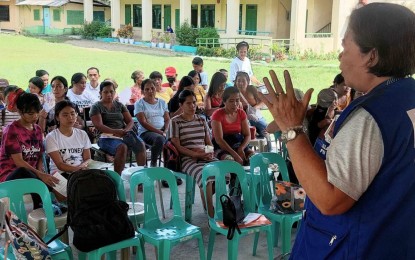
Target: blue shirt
(154,113)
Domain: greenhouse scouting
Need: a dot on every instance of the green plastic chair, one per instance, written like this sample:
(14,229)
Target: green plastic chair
(163,235)
(219,170)
(111,250)
(14,190)
(264,192)
(190,195)
(283,147)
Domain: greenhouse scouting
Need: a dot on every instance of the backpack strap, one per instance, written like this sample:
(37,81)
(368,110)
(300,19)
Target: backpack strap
(60,233)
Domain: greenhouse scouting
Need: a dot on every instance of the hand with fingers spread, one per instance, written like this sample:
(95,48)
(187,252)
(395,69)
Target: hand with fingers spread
(286,110)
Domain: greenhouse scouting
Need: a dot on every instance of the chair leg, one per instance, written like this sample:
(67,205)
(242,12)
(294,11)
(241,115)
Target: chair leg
(161,199)
(275,232)
(269,244)
(286,236)
(233,248)
(255,243)
(212,236)
(202,254)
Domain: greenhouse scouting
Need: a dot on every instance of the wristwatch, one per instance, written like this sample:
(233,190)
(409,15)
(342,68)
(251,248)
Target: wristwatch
(292,133)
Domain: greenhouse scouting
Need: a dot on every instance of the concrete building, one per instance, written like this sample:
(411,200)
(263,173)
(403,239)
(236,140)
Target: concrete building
(49,16)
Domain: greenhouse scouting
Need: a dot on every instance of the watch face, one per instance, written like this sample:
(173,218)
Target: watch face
(291,134)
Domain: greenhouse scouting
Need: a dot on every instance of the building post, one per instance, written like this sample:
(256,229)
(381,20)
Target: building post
(298,20)
(147,15)
(88,11)
(339,19)
(115,16)
(185,11)
(232,18)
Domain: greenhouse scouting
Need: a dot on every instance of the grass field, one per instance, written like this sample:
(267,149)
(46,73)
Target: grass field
(21,56)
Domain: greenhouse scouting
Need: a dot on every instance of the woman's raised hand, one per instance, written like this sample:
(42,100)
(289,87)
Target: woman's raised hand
(286,110)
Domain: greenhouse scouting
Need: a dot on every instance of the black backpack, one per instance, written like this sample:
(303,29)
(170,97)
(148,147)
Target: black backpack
(171,157)
(95,214)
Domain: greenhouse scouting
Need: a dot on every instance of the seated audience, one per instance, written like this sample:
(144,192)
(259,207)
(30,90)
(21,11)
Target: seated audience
(35,87)
(200,92)
(213,98)
(77,93)
(197,64)
(230,127)
(114,121)
(164,93)
(67,146)
(93,85)
(174,105)
(10,113)
(47,120)
(172,82)
(190,135)
(44,75)
(326,98)
(22,146)
(251,103)
(135,90)
(153,117)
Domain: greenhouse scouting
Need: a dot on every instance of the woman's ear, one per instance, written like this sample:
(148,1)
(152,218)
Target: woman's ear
(373,58)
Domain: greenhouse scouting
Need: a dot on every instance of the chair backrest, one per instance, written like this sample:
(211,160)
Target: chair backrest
(119,185)
(219,170)
(283,147)
(147,177)
(14,191)
(262,160)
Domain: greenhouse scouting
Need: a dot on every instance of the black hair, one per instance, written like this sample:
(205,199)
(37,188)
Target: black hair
(9,89)
(27,102)
(223,70)
(106,83)
(184,94)
(228,92)
(77,77)
(61,105)
(242,44)
(193,73)
(242,74)
(92,68)
(217,79)
(38,82)
(41,73)
(61,79)
(389,30)
(338,79)
(156,75)
(185,82)
(144,83)
(197,61)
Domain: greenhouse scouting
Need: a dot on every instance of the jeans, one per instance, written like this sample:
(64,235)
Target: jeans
(156,141)
(261,129)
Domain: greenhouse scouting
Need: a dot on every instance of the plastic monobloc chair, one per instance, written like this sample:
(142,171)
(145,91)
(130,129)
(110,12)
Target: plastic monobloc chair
(280,222)
(282,146)
(15,190)
(219,170)
(163,235)
(111,250)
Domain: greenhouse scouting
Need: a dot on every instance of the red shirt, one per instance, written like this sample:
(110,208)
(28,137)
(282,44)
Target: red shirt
(227,127)
(17,139)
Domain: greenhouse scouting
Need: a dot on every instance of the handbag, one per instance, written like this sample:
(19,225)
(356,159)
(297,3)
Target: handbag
(26,243)
(233,213)
(289,198)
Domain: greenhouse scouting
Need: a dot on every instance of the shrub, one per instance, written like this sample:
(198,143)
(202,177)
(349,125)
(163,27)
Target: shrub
(186,35)
(95,29)
(211,34)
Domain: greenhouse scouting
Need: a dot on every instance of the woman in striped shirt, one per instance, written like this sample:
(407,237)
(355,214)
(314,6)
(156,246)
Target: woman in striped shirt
(190,135)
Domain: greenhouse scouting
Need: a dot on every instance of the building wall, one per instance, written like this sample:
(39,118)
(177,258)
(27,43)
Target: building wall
(13,24)
(22,18)
(319,14)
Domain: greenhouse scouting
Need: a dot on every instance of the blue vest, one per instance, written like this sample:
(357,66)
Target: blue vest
(381,224)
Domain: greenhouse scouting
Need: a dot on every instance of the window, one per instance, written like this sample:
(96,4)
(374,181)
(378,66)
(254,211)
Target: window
(4,13)
(56,15)
(127,16)
(156,16)
(74,17)
(207,16)
(194,16)
(36,15)
(137,16)
(99,16)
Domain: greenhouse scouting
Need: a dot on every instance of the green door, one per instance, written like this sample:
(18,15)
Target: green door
(251,19)
(177,18)
(128,14)
(167,16)
(99,16)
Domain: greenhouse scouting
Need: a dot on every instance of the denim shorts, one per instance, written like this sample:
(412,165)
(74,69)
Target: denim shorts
(133,142)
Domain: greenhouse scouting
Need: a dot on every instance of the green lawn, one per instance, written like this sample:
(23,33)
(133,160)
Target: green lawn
(21,56)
